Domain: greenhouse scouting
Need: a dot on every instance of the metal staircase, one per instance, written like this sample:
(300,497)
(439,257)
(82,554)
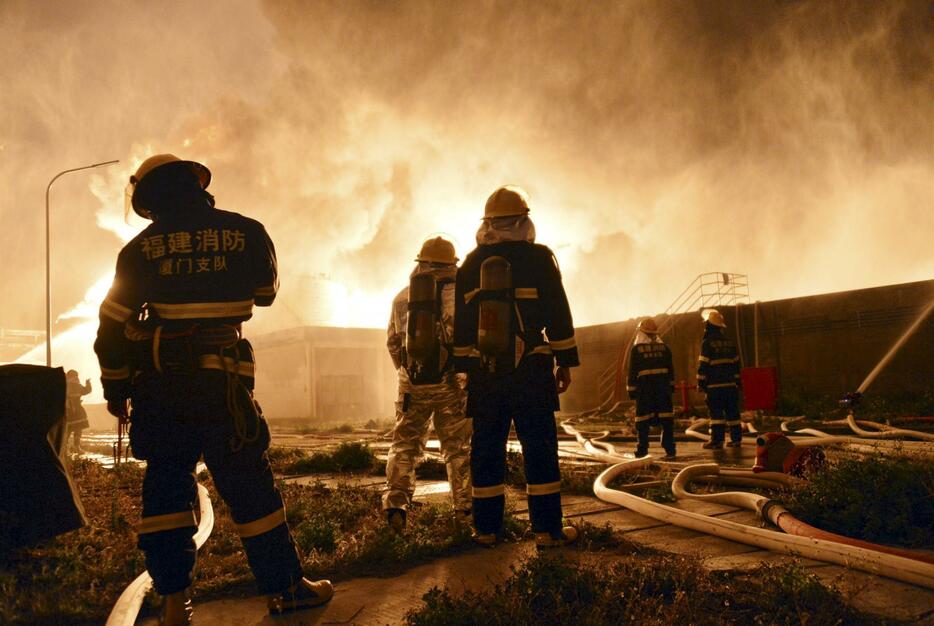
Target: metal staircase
(711,289)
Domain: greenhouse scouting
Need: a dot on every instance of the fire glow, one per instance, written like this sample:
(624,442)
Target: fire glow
(786,141)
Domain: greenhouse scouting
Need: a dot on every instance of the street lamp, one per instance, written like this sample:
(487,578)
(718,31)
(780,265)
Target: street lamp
(48,277)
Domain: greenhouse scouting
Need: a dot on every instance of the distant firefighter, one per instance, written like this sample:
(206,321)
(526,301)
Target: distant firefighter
(718,376)
(509,294)
(651,383)
(420,342)
(170,341)
(75,415)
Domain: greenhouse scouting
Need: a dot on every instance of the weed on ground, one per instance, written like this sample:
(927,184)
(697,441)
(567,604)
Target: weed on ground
(640,590)
(352,456)
(76,578)
(884,499)
(340,532)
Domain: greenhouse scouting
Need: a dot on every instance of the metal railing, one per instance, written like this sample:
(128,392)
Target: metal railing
(707,290)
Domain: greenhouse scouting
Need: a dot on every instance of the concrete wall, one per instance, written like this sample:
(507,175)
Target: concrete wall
(825,344)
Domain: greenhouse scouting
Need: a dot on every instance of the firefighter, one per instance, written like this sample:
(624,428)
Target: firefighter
(76,416)
(718,377)
(170,342)
(651,383)
(508,295)
(429,389)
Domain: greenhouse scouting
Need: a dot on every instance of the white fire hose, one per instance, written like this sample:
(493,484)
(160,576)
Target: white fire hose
(896,567)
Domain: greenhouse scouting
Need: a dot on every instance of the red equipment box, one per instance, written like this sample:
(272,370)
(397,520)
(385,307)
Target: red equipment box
(760,388)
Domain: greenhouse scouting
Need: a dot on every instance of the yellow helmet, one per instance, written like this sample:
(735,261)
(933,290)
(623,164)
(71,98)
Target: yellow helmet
(713,316)
(437,250)
(153,163)
(506,201)
(648,326)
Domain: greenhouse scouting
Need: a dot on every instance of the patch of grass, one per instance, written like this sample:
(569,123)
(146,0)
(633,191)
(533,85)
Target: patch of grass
(884,499)
(660,493)
(75,578)
(340,532)
(382,425)
(282,457)
(815,406)
(637,589)
(352,456)
(577,479)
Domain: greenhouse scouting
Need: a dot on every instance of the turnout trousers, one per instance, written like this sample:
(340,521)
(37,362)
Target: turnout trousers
(645,422)
(172,426)
(527,398)
(723,404)
(444,404)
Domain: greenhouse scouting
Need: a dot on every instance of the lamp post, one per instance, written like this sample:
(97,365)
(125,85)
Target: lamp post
(48,277)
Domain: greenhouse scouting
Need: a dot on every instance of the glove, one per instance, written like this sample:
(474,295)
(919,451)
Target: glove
(563,379)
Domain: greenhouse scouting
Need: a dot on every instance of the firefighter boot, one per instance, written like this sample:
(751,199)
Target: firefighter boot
(176,610)
(395,518)
(736,436)
(544,541)
(642,431)
(487,540)
(668,437)
(716,437)
(305,594)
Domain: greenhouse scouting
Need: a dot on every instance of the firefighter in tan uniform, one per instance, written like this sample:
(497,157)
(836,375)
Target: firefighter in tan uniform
(170,342)
(420,338)
(509,297)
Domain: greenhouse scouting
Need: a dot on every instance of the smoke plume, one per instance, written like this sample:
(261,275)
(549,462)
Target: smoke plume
(790,141)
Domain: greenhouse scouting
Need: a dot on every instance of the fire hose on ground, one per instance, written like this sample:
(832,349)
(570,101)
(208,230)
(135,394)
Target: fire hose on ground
(126,609)
(868,442)
(798,538)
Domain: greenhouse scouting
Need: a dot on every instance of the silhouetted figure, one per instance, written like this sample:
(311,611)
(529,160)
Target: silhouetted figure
(75,415)
(718,376)
(509,293)
(170,341)
(651,383)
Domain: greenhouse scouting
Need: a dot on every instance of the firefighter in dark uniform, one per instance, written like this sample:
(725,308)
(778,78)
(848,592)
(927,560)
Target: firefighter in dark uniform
(651,383)
(508,295)
(718,376)
(170,342)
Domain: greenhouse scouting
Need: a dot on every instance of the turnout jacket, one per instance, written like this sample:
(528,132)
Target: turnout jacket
(651,377)
(202,267)
(543,320)
(718,364)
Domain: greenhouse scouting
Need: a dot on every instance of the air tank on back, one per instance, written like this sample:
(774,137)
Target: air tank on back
(421,340)
(494,330)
